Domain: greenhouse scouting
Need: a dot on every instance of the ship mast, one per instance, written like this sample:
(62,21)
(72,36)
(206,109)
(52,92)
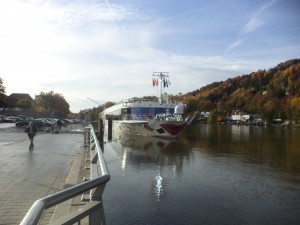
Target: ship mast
(161,76)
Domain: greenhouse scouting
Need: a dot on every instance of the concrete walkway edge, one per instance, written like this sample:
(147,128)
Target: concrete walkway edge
(75,177)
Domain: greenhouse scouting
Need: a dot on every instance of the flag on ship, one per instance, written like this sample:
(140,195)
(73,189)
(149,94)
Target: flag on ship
(154,82)
(166,82)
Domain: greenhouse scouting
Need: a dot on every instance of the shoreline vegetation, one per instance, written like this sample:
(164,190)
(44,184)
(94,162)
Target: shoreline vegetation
(272,94)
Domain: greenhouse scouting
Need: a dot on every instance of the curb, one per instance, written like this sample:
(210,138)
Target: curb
(76,175)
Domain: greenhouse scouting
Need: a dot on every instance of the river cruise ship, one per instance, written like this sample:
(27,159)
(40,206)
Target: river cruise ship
(144,117)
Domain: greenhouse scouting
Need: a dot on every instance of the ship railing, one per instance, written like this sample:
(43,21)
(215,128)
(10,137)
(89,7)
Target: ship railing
(93,210)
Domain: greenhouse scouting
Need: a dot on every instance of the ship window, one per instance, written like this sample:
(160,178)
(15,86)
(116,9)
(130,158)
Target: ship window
(115,115)
(143,111)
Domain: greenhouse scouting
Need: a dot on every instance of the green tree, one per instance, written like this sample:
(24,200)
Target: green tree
(295,108)
(212,116)
(24,103)
(108,104)
(52,102)
(2,89)
(191,105)
(271,109)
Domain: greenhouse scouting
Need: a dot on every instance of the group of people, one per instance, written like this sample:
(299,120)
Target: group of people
(31,131)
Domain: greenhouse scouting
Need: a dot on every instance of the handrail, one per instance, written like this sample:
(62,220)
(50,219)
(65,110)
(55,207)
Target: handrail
(35,212)
(102,162)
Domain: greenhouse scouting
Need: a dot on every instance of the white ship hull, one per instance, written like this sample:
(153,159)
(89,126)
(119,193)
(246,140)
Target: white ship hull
(169,129)
(140,118)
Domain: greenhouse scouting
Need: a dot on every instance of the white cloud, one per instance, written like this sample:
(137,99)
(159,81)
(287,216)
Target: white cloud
(235,44)
(254,23)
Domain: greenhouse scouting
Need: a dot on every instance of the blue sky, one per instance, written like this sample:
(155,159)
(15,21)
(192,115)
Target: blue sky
(107,50)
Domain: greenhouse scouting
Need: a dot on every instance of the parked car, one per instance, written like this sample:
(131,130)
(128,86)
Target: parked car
(47,123)
(39,123)
(2,117)
(68,121)
(23,123)
(12,119)
(77,121)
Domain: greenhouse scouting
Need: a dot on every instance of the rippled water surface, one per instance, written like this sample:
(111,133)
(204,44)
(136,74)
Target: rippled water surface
(210,174)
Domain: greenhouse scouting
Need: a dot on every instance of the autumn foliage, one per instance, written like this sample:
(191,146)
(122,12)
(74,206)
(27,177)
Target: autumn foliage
(271,94)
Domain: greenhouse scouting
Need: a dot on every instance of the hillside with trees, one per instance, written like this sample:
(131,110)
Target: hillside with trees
(270,94)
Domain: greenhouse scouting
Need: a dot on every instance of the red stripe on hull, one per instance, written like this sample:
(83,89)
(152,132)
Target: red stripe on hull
(172,128)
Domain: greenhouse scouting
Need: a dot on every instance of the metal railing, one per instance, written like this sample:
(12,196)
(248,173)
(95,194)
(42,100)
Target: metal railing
(99,177)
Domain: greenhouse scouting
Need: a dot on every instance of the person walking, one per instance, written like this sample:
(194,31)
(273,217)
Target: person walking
(31,131)
(59,124)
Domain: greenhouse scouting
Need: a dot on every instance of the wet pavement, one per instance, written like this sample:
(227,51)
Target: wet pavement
(27,175)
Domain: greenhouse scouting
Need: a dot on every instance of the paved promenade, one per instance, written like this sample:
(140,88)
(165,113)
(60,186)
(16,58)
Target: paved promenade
(27,176)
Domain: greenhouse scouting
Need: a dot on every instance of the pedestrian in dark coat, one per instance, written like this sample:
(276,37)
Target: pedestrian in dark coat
(59,124)
(31,132)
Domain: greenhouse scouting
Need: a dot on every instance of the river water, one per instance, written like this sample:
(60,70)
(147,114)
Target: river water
(210,174)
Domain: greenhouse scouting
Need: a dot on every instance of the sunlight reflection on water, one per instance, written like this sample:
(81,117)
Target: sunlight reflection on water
(158,186)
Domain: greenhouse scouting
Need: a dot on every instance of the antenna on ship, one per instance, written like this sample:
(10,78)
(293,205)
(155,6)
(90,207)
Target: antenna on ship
(161,76)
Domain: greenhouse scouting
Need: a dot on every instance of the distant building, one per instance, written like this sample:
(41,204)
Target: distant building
(11,100)
(204,114)
(240,116)
(15,97)
(246,117)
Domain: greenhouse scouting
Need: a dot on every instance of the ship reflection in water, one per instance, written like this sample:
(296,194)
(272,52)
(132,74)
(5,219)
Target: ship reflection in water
(141,150)
(209,175)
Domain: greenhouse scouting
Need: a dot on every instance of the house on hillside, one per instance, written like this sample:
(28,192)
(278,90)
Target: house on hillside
(239,116)
(204,114)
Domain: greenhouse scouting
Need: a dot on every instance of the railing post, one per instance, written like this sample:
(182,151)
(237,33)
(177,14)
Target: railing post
(100,127)
(87,135)
(97,217)
(109,133)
